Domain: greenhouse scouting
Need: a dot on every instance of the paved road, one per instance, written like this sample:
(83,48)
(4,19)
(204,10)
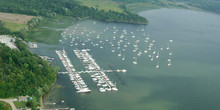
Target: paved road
(10,101)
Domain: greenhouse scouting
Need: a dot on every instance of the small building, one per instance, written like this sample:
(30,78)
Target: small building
(23,98)
(8,40)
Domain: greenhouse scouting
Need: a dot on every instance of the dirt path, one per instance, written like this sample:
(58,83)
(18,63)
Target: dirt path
(10,101)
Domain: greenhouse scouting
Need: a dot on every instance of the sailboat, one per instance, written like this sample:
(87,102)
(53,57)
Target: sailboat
(119,54)
(170,53)
(123,58)
(154,52)
(145,51)
(148,37)
(169,64)
(168,47)
(152,58)
(157,65)
(135,61)
(157,55)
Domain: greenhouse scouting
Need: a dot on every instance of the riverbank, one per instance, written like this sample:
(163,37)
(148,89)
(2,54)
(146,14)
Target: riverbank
(41,98)
(49,30)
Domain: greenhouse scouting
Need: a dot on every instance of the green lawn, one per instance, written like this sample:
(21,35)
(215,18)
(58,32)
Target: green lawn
(5,106)
(14,26)
(49,30)
(20,104)
(138,7)
(102,4)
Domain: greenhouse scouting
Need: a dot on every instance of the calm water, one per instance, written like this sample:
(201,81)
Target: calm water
(190,83)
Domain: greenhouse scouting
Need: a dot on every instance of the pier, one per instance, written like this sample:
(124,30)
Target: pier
(97,74)
(76,79)
(93,71)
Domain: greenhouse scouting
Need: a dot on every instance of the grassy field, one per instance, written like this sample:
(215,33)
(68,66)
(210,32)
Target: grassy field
(103,4)
(4,106)
(20,104)
(49,30)
(15,22)
(138,7)
(14,26)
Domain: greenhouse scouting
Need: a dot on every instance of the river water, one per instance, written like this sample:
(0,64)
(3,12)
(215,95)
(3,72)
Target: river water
(190,83)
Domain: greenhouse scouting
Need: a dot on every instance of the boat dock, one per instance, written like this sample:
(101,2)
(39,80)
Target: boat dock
(92,71)
(98,75)
(92,68)
(76,79)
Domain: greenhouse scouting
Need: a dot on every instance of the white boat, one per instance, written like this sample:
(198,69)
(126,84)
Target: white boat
(124,70)
(102,90)
(119,54)
(152,58)
(169,60)
(145,51)
(108,89)
(170,53)
(135,61)
(168,47)
(84,90)
(157,65)
(157,55)
(169,64)
(114,89)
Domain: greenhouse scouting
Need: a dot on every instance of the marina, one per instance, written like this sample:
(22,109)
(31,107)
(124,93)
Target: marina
(92,68)
(76,79)
(193,70)
(97,74)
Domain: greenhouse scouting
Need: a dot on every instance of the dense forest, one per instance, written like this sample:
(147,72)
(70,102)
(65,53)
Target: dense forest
(23,73)
(3,30)
(48,8)
(4,106)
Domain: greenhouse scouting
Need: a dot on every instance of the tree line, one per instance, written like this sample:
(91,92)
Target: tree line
(49,8)
(23,73)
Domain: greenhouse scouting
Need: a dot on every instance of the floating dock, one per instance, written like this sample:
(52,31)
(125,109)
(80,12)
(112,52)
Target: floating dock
(76,79)
(92,68)
(98,75)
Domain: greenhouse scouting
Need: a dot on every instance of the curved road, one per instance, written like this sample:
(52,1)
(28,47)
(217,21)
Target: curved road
(10,101)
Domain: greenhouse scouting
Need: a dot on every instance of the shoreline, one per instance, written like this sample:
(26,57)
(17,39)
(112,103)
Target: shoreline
(41,97)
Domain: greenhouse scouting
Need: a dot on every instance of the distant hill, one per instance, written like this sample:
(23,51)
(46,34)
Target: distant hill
(50,8)
(208,5)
